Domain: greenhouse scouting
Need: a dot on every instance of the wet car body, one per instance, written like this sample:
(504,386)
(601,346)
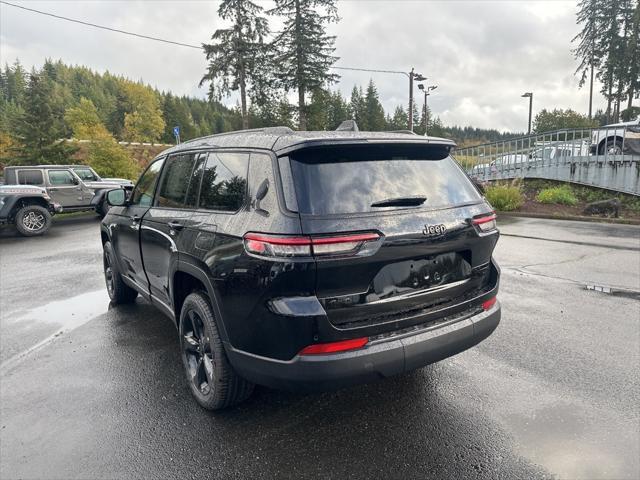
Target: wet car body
(308,297)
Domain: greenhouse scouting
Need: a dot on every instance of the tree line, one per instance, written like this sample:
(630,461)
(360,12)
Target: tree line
(40,108)
(608,48)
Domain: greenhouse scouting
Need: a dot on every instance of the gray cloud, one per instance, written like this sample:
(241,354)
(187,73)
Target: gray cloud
(482,55)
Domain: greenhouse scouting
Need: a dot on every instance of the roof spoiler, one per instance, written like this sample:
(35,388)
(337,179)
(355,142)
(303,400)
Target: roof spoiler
(348,126)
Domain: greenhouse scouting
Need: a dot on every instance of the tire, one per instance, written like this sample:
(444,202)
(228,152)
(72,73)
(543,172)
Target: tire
(119,292)
(211,378)
(616,145)
(33,220)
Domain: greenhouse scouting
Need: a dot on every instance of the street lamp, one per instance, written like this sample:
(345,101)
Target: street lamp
(413,77)
(426,94)
(530,96)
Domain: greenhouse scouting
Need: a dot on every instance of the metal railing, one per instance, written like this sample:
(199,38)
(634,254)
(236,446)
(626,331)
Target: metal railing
(607,157)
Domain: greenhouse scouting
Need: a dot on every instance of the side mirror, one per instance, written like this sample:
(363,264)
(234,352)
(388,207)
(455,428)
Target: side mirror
(117,197)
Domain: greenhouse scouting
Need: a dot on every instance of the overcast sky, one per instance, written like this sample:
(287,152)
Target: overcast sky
(482,54)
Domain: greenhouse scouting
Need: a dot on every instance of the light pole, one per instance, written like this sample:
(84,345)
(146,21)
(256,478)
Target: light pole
(413,77)
(530,96)
(426,94)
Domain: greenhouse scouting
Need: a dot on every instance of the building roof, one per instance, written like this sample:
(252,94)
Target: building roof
(282,140)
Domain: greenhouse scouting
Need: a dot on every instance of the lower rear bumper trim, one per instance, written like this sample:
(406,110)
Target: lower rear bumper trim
(377,360)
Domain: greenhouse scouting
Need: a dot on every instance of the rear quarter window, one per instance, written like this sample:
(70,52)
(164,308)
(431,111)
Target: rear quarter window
(30,177)
(351,180)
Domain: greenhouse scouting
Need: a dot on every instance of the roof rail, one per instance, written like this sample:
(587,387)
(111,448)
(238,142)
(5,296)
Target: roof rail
(279,130)
(408,132)
(348,126)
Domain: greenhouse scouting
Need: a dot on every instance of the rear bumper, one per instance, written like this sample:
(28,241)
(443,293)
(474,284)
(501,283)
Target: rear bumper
(379,359)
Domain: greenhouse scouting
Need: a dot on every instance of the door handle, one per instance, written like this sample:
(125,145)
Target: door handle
(175,226)
(135,218)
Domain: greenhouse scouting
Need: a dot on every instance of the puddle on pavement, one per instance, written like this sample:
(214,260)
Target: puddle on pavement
(61,317)
(566,435)
(561,439)
(69,313)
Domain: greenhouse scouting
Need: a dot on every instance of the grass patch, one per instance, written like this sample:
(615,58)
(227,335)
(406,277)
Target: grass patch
(505,197)
(562,195)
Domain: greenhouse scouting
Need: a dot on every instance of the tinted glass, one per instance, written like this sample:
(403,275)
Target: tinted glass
(86,174)
(143,193)
(191,199)
(350,180)
(224,183)
(175,181)
(61,177)
(30,177)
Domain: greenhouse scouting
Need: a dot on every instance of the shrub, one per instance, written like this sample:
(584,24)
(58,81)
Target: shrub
(505,197)
(562,195)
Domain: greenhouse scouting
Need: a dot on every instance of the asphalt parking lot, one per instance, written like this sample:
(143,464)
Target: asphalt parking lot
(90,391)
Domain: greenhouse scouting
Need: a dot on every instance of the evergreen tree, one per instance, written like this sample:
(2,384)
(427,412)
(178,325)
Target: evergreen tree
(232,56)
(587,51)
(633,59)
(337,110)
(317,111)
(358,108)
(14,82)
(399,119)
(303,48)
(373,109)
(39,131)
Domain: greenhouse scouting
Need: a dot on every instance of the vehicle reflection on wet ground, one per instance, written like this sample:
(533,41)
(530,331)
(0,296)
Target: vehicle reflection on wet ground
(552,393)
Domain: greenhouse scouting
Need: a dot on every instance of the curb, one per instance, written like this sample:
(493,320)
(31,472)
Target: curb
(575,218)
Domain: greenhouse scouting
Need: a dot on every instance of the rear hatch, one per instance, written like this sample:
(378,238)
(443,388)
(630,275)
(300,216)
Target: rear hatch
(415,210)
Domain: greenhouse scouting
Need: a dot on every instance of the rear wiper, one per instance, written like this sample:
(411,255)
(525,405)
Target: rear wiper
(400,202)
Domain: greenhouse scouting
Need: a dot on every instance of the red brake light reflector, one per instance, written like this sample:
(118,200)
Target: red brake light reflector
(488,304)
(334,347)
(486,222)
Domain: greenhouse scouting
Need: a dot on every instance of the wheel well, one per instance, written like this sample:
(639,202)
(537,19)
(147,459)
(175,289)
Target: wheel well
(611,139)
(23,202)
(183,285)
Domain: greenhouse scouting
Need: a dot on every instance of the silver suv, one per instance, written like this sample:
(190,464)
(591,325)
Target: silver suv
(74,187)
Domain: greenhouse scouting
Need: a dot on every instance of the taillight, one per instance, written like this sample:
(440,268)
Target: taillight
(335,347)
(485,223)
(488,304)
(352,244)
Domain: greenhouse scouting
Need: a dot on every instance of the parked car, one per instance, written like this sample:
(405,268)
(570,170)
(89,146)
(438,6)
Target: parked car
(29,208)
(616,139)
(74,187)
(306,260)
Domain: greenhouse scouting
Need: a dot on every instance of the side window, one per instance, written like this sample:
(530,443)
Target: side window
(86,174)
(175,181)
(61,178)
(143,192)
(30,177)
(224,182)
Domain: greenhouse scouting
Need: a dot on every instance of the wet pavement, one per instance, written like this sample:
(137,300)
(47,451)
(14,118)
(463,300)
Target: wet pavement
(89,391)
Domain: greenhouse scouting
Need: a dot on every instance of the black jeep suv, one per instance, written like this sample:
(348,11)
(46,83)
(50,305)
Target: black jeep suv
(306,260)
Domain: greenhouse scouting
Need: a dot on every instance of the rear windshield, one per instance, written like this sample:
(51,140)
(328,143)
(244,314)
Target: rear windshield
(350,180)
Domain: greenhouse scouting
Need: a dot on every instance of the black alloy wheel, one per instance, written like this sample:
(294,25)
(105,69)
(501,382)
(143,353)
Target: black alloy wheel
(198,356)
